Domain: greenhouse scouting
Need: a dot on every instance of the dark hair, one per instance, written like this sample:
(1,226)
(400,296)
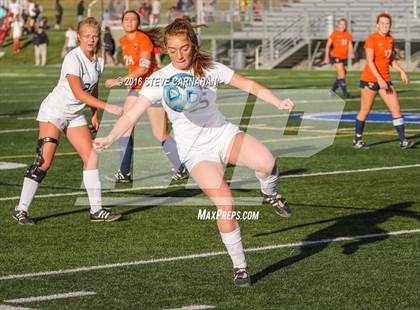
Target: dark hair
(386,15)
(182,26)
(91,21)
(153,33)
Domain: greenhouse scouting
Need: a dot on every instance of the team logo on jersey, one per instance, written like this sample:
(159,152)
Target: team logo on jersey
(135,46)
(380,44)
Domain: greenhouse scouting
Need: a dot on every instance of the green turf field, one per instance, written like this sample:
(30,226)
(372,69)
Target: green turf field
(161,257)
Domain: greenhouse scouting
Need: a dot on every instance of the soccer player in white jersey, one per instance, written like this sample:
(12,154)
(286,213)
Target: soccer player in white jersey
(61,111)
(205,139)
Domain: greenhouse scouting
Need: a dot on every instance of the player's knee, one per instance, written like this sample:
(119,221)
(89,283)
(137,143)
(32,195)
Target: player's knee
(90,161)
(38,170)
(266,163)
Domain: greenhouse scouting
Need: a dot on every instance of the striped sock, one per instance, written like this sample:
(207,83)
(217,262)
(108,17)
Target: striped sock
(360,125)
(399,127)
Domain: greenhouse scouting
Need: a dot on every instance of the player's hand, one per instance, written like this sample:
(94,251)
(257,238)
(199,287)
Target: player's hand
(286,104)
(114,109)
(383,84)
(111,83)
(326,60)
(404,77)
(100,144)
(353,56)
(95,121)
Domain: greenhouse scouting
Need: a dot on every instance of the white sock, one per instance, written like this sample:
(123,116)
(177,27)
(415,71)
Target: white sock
(233,244)
(93,187)
(269,184)
(29,189)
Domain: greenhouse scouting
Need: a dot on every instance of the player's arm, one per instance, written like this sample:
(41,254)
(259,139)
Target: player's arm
(144,67)
(371,64)
(260,92)
(88,99)
(123,124)
(351,49)
(327,51)
(398,68)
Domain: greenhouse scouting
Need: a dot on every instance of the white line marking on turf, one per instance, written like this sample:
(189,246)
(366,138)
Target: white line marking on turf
(6,307)
(208,254)
(50,297)
(194,307)
(122,190)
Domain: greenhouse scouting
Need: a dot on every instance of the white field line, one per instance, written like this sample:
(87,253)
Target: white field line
(49,297)
(208,254)
(194,307)
(109,123)
(122,190)
(7,307)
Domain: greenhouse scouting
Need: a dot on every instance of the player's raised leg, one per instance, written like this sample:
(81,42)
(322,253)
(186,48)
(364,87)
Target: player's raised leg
(81,140)
(244,150)
(46,145)
(209,176)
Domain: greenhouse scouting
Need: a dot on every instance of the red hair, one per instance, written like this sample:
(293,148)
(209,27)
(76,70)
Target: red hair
(385,15)
(182,27)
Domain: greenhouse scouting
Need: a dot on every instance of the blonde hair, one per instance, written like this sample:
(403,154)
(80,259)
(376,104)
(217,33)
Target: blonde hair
(182,26)
(92,22)
(344,21)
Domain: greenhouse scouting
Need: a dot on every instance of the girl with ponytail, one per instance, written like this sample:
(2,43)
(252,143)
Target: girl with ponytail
(206,140)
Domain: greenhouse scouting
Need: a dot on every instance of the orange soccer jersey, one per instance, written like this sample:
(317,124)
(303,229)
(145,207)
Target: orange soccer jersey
(131,50)
(340,41)
(383,47)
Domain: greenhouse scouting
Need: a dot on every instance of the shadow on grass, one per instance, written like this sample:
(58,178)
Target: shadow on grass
(365,223)
(178,193)
(395,140)
(59,214)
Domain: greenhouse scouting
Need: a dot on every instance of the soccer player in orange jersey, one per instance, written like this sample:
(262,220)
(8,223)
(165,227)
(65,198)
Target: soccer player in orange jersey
(340,39)
(376,78)
(138,50)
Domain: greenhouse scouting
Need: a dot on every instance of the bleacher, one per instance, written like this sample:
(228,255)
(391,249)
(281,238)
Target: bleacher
(293,27)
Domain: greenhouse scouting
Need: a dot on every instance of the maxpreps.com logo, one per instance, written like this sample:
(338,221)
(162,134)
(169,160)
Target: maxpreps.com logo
(214,215)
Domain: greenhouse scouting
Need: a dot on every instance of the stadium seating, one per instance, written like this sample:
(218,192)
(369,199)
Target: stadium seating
(291,28)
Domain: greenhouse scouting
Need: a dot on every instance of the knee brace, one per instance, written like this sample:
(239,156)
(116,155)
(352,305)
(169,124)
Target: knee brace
(34,172)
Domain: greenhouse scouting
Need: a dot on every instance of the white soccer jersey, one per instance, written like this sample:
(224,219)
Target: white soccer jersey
(195,128)
(61,101)
(16,29)
(71,36)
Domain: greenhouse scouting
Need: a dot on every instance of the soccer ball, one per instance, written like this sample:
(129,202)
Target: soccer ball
(182,92)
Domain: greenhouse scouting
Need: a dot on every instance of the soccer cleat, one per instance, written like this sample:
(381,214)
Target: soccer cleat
(360,144)
(279,204)
(347,96)
(180,174)
(22,217)
(119,177)
(407,144)
(105,215)
(241,277)
(332,93)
